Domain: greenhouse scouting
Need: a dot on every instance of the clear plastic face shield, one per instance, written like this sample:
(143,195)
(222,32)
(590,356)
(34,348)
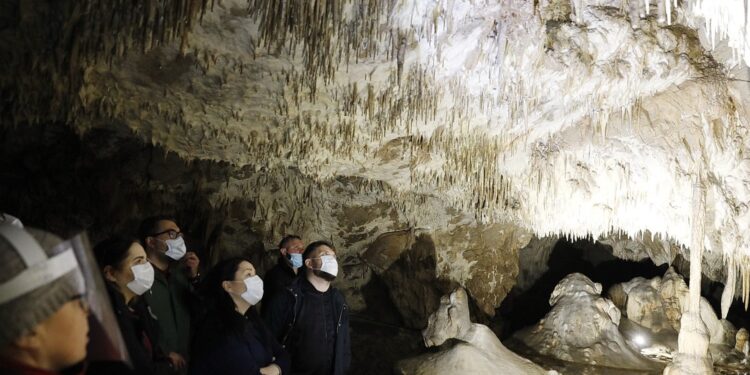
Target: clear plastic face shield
(105,340)
(10,219)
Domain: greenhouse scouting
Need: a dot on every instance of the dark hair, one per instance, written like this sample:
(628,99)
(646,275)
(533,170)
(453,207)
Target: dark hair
(220,318)
(314,246)
(217,298)
(113,251)
(287,239)
(150,225)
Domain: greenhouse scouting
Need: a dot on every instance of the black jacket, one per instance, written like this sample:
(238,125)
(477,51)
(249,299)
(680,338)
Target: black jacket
(236,345)
(277,280)
(140,334)
(291,316)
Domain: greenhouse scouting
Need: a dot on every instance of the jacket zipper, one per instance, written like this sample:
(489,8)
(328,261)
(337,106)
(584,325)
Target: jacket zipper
(341,315)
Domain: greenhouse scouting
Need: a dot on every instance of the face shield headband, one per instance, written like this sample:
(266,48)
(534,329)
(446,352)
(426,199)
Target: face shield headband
(40,269)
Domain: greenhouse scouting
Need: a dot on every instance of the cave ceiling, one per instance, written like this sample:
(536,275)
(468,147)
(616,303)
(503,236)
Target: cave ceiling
(582,118)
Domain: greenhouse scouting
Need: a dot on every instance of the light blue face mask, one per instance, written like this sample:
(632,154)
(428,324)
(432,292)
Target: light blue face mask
(295,259)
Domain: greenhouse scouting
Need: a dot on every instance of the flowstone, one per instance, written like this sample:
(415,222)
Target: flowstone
(654,310)
(478,350)
(582,327)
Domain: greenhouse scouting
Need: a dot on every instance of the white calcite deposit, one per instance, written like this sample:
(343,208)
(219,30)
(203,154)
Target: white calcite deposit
(582,327)
(478,350)
(508,112)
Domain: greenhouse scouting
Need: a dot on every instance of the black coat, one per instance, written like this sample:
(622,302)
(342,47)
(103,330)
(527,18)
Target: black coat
(235,345)
(138,329)
(277,280)
(287,315)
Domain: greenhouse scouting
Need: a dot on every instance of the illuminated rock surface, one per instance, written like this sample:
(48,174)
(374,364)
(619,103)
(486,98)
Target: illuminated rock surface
(583,327)
(478,350)
(473,124)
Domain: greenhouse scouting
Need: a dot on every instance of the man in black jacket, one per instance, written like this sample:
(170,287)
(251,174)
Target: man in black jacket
(279,277)
(311,319)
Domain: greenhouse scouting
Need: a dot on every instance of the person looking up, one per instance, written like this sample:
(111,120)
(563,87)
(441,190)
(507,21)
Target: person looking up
(311,319)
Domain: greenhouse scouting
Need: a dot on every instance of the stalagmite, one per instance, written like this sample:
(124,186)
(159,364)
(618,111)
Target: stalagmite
(692,357)
(741,341)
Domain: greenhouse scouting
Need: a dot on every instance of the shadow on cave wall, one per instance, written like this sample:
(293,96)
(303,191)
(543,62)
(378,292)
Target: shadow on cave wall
(105,181)
(399,298)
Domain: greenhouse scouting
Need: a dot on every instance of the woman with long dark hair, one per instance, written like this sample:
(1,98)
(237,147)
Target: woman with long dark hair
(232,339)
(128,275)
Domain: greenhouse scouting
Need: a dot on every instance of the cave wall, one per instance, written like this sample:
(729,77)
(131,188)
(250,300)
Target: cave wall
(105,181)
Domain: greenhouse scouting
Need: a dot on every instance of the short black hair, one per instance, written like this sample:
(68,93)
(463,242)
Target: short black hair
(113,251)
(314,246)
(150,225)
(287,238)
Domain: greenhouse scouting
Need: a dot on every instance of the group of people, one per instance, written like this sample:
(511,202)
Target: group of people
(172,319)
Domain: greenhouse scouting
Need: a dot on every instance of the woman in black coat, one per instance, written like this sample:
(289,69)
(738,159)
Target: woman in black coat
(232,339)
(129,274)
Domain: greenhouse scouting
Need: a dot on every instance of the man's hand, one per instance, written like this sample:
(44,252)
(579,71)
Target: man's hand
(192,262)
(178,362)
(272,369)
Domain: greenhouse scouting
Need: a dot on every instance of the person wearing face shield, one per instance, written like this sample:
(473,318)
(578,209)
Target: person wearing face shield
(279,277)
(311,319)
(171,295)
(232,339)
(128,275)
(42,305)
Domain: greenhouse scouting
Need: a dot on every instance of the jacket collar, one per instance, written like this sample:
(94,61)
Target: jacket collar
(282,262)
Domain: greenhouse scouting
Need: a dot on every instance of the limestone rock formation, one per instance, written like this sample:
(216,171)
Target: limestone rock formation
(654,311)
(478,350)
(480,122)
(583,327)
(418,268)
(659,303)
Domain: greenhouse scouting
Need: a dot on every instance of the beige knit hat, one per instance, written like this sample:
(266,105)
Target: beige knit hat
(38,274)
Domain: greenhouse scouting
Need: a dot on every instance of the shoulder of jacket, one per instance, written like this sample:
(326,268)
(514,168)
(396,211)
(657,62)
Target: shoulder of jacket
(339,296)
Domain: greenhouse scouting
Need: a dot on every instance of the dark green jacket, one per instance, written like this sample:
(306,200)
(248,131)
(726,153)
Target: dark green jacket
(171,299)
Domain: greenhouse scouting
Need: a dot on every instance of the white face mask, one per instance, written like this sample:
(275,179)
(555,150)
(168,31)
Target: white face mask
(143,278)
(176,248)
(329,265)
(254,292)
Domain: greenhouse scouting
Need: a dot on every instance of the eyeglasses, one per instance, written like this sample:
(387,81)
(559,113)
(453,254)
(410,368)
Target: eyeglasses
(170,232)
(324,255)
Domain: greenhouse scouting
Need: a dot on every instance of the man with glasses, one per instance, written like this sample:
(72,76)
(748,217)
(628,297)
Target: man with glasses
(285,271)
(171,295)
(311,320)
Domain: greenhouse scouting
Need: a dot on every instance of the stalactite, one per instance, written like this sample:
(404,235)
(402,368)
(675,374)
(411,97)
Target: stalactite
(727,296)
(746,285)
